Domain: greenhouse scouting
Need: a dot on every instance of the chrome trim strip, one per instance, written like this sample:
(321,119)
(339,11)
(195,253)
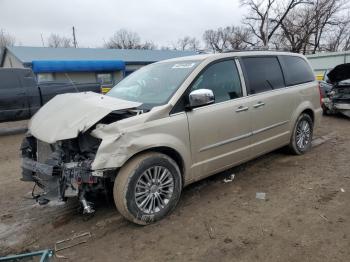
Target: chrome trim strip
(241,76)
(269,127)
(236,138)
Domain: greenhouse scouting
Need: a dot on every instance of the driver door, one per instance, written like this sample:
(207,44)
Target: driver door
(220,133)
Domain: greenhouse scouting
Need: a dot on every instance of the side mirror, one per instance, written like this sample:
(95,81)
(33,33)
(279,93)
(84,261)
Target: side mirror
(201,97)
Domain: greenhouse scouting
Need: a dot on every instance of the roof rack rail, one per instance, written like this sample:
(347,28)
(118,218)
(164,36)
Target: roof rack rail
(252,50)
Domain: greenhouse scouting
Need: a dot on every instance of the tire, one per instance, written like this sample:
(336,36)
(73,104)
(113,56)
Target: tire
(132,178)
(301,148)
(325,110)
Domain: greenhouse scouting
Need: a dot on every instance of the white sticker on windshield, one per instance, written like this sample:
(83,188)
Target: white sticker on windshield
(184,65)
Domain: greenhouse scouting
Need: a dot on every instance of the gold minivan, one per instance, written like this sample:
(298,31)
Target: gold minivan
(169,124)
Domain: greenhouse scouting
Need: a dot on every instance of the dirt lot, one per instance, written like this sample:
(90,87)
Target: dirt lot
(306,216)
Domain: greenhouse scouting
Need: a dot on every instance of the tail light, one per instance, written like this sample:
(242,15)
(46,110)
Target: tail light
(319,91)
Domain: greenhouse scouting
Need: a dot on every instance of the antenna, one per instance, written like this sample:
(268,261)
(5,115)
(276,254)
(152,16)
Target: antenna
(74,39)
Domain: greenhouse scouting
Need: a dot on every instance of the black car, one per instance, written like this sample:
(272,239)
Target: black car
(21,96)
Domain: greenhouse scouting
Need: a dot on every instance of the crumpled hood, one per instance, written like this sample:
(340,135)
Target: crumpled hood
(339,73)
(66,115)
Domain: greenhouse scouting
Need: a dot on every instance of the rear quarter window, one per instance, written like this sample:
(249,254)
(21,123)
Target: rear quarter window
(296,70)
(262,74)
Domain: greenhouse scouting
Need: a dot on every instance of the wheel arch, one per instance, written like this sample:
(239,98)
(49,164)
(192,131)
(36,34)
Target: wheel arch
(306,108)
(170,152)
(309,112)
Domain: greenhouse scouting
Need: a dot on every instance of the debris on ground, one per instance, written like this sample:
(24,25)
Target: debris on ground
(107,221)
(342,190)
(75,240)
(320,140)
(260,195)
(229,179)
(324,217)
(210,230)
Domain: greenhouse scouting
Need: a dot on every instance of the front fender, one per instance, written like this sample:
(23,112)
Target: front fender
(120,143)
(114,152)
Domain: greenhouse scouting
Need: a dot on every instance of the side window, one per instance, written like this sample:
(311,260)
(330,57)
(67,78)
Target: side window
(262,74)
(296,70)
(44,77)
(223,79)
(104,78)
(9,79)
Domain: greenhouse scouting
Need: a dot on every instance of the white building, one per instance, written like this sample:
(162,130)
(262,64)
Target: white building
(322,62)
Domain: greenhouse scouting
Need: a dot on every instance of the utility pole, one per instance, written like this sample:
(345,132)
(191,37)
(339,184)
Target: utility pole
(74,39)
(42,40)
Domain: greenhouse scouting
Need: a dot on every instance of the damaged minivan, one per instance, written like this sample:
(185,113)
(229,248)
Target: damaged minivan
(170,124)
(336,90)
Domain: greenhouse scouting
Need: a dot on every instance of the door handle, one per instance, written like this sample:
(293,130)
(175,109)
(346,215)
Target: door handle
(259,104)
(242,108)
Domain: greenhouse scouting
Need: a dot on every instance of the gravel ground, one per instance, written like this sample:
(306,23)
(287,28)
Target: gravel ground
(305,216)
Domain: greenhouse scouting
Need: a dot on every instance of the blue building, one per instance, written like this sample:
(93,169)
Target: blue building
(82,65)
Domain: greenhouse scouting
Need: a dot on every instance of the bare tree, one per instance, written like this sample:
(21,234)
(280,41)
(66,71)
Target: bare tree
(56,40)
(228,38)
(6,39)
(213,40)
(218,40)
(297,29)
(325,17)
(308,28)
(346,46)
(187,43)
(148,45)
(337,36)
(266,16)
(124,39)
(166,47)
(239,38)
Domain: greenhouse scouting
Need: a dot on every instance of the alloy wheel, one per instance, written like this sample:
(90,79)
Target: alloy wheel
(154,189)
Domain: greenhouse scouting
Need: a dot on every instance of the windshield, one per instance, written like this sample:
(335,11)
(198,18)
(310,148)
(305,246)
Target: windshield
(154,84)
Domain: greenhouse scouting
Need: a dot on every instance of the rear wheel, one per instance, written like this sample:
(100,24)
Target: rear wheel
(302,135)
(147,188)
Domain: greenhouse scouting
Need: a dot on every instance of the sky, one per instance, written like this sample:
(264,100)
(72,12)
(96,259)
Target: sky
(160,21)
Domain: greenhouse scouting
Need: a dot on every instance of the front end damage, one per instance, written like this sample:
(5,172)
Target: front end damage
(338,100)
(63,169)
(337,97)
(59,150)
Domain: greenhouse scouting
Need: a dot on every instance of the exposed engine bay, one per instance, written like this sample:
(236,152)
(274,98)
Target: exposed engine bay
(336,91)
(63,169)
(338,100)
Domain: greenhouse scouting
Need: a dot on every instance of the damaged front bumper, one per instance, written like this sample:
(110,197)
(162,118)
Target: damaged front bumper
(46,165)
(73,174)
(333,106)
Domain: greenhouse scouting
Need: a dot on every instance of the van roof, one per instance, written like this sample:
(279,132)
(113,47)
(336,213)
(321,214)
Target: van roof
(230,54)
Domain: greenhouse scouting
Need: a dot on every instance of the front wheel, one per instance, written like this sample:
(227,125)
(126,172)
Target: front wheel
(302,135)
(147,188)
